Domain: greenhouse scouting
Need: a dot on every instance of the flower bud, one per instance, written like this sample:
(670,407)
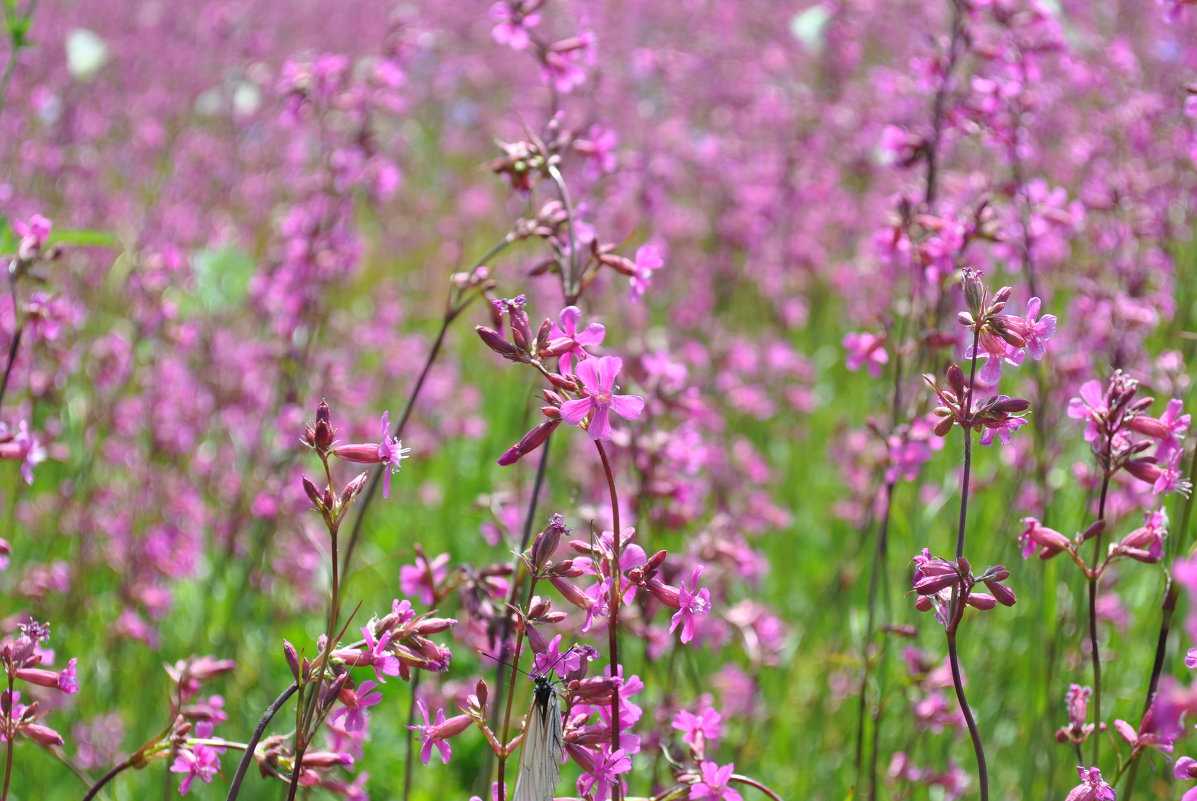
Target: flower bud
(980,600)
(323,433)
(292,658)
(1003,594)
(1143,469)
(1093,530)
(530,442)
(495,341)
(956,380)
(313,493)
(974,292)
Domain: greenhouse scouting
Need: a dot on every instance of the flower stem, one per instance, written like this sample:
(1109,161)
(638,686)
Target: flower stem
(736,777)
(958,683)
(1095,653)
(250,747)
(616,595)
(376,477)
(10,729)
(505,623)
(1167,610)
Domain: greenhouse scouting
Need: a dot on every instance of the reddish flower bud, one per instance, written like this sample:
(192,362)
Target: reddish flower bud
(1093,530)
(530,442)
(1004,595)
(980,600)
(495,341)
(41,734)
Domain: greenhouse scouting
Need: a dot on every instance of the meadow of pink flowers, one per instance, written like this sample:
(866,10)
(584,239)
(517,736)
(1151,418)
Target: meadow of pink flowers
(362,357)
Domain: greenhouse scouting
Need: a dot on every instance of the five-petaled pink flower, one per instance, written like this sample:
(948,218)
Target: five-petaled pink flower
(692,603)
(648,260)
(714,783)
(1037,330)
(435,734)
(698,730)
(602,775)
(598,376)
(592,334)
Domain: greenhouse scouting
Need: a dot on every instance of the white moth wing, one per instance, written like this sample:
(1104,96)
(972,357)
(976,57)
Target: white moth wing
(543,747)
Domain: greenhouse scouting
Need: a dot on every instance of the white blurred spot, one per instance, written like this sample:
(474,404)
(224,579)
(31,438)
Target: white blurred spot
(86,53)
(808,27)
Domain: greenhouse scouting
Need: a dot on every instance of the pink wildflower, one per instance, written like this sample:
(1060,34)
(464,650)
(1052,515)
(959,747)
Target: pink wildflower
(602,774)
(865,348)
(598,376)
(567,328)
(697,730)
(389,452)
(1092,787)
(512,24)
(648,260)
(713,783)
(1037,330)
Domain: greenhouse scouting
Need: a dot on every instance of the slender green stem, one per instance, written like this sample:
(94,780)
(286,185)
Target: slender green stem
(251,746)
(375,479)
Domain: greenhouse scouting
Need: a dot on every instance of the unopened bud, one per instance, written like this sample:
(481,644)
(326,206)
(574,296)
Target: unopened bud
(1093,530)
(974,292)
(292,657)
(956,380)
(495,341)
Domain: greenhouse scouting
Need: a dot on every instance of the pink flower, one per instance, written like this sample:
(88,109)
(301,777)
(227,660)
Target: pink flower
(1167,428)
(602,774)
(389,452)
(593,334)
(865,348)
(198,760)
(511,25)
(381,659)
(692,603)
(1092,787)
(66,679)
(1036,535)
(1036,332)
(705,727)
(1090,406)
(359,700)
(648,260)
(713,783)
(422,578)
(598,376)
(1002,429)
(434,735)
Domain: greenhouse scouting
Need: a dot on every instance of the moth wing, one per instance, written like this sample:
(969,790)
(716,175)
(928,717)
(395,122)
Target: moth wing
(540,756)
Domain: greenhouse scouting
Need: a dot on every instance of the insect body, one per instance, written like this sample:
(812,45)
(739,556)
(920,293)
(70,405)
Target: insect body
(544,745)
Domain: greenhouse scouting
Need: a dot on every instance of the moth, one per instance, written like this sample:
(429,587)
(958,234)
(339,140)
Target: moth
(544,745)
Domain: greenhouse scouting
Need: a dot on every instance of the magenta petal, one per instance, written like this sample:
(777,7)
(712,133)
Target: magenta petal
(600,424)
(593,335)
(611,367)
(628,407)
(589,372)
(569,320)
(575,411)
